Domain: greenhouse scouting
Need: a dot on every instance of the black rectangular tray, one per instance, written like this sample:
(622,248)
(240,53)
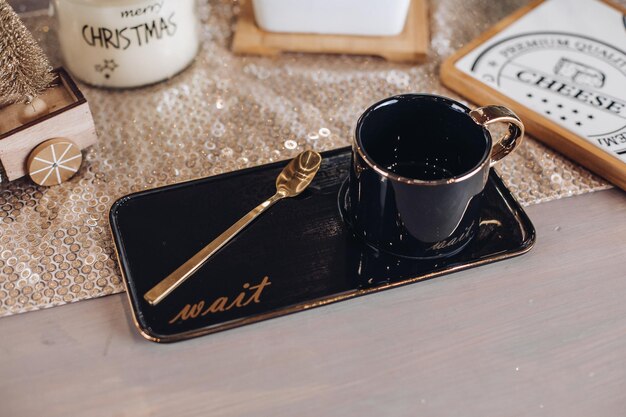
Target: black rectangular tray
(296,256)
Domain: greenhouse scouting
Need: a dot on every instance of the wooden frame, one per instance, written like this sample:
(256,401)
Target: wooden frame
(549,132)
(73,121)
(411,45)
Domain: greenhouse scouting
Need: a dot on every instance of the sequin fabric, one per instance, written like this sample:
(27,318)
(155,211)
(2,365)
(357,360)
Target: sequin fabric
(223,113)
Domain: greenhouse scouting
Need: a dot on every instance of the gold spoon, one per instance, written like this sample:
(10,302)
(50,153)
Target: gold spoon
(294,178)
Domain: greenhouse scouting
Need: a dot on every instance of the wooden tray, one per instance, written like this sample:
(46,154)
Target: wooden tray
(409,46)
(296,256)
(553,117)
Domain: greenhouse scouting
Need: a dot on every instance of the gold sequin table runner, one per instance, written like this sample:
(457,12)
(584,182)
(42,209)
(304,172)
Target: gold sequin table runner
(223,113)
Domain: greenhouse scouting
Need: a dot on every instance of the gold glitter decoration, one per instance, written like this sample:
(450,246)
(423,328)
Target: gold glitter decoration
(223,113)
(24,68)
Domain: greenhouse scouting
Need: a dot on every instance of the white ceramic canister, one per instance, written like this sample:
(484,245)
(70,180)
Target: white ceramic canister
(126,43)
(339,17)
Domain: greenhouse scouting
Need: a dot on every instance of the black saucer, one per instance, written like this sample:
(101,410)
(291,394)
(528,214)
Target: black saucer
(298,255)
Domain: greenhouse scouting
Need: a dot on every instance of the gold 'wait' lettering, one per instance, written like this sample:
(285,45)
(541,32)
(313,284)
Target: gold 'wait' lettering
(251,294)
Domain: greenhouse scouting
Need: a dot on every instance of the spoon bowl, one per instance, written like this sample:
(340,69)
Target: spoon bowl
(298,174)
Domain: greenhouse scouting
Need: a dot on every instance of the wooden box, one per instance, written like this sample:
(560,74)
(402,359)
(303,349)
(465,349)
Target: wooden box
(69,118)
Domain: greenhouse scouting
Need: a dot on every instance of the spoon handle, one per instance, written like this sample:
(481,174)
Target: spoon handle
(180,275)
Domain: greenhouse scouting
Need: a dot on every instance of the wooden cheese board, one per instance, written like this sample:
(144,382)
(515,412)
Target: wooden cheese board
(556,63)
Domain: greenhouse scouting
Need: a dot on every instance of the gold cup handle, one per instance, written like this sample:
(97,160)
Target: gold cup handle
(509,141)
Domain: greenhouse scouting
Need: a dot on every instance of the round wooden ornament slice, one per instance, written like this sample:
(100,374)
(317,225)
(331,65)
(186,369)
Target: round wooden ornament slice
(54,161)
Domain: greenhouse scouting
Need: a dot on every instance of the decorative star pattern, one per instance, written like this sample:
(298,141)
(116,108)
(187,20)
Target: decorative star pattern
(107,67)
(110,64)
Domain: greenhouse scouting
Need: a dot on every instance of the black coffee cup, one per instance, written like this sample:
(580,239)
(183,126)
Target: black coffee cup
(419,166)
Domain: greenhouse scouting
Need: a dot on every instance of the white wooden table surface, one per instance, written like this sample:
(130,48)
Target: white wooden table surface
(540,335)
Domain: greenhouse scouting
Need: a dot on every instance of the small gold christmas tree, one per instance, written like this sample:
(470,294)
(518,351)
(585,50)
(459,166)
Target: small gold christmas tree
(24,69)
